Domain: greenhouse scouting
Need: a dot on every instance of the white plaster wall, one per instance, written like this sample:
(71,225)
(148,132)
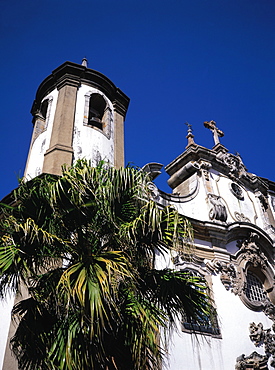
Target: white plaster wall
(42,142)
(89,142)
(248,206)
(207,353)
(5,320)
(196,207)
(199,206)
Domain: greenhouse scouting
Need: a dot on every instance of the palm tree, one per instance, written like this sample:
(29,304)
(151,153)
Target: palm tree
(84,246)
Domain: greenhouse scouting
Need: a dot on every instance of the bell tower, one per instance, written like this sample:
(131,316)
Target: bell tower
(77,113)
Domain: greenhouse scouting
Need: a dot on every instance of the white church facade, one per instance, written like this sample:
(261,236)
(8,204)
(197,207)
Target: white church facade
(80,113)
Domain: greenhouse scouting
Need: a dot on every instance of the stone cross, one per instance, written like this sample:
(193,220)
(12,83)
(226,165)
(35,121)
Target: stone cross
(216,132)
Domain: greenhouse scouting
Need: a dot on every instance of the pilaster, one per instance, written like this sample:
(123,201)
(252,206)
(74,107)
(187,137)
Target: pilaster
(60,151)
(119,139)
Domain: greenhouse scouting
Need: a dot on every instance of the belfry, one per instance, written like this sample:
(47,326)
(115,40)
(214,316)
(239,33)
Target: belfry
(77,113)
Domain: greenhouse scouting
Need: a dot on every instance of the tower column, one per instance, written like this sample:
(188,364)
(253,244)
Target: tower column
(120,110)
(119,140)
(60,151)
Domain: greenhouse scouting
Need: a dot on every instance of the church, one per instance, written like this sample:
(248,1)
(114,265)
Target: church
(79,113)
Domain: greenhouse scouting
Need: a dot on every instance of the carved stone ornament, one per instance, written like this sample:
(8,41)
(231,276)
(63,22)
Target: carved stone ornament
(235,165)
(251,252)
(241,217)
(263,337)
(256,333)
(238,284)
(263,202)
(154,191)
(205,167)
(227,273)
(234,275)
(273,203)
(253,361)
(218,211)
(269,309)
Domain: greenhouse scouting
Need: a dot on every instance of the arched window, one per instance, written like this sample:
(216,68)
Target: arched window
(98,113)
(97,106)
(254,288)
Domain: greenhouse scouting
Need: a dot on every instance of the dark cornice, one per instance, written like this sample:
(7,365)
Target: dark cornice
(75,74)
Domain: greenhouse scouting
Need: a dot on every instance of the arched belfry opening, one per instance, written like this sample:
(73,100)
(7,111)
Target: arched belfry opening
(44,108)
(97,106)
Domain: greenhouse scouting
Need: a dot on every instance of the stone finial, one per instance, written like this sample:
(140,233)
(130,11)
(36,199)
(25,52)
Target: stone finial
(190,136)
(85,62)
(216,132)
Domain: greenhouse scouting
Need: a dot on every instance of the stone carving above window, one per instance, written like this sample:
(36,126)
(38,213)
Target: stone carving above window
(235,165)
(218,211)
(250,251)
(248,275)
(227,273)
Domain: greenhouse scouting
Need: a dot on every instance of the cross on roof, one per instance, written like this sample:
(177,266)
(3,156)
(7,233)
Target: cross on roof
(216,132)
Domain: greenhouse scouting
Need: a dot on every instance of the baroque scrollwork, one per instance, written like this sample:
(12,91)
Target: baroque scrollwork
(264,337)
(154,192)
(218,210)
(269,309)
(253,361)
(227,273)
(238,284)
(241,217)
(256,333)
(235,165)
(251,252)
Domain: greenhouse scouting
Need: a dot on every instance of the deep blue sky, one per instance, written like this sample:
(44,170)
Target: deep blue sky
(178,61)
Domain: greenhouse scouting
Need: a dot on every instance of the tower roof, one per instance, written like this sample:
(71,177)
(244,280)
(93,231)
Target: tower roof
(75,74)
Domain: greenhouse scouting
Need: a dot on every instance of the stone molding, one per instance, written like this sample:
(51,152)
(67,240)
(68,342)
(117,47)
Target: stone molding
(75,74)
(221,161)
